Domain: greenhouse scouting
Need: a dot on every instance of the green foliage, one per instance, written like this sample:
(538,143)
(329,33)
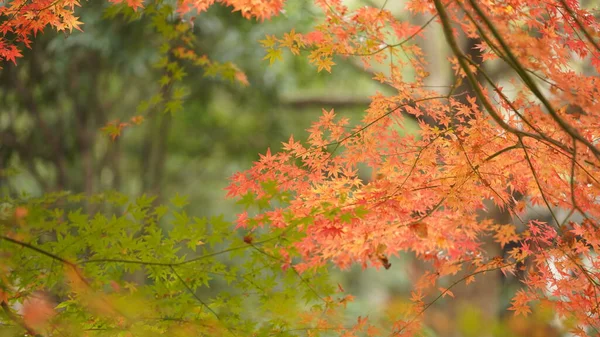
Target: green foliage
(123,267)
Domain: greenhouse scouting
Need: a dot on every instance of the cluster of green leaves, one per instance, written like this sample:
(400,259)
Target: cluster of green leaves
(177,52)
(121,267)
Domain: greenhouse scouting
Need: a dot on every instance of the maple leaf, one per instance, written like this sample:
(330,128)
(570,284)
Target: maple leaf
(324,63)
(10,53)
(520,303)
(446,292)
(273,54)
(331,231)
(505,234)
(70,22)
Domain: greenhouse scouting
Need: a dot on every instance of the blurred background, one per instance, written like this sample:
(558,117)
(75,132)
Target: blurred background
(65,89)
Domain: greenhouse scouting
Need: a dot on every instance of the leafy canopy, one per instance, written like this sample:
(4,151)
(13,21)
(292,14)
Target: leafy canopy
(528,139)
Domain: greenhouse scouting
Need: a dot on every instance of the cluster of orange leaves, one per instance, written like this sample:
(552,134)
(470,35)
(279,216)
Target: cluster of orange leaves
(430,187)
(22,19)
(260,10)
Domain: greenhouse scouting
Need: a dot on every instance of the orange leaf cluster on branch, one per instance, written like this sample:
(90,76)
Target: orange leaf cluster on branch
(262,9)
(533,137)
(20,19)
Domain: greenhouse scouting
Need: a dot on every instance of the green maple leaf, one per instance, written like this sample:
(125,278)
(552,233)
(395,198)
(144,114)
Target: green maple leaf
(273,55)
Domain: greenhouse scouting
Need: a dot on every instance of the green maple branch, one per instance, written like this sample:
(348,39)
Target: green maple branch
(204,304)
(140,262)
(302,279)
(175,264)
(70,264)
(246,278)
(171,266)
(74,266)
(316,328)
(54,257)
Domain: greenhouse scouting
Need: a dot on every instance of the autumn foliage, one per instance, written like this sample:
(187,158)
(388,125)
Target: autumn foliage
(526,140)
(530,141)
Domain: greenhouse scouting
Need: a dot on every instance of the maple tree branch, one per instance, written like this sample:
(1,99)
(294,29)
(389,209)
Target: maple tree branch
(295,271)
(39,250)
(478,173)
(515,110)
(175,264)
(441,201)
(572,182)
(454,187)
(193,293)
(498,52)
(586,273)
(74,267)
(386,114)
(70,264)
(579,24)
(531,84)
(317,328)
(246,278)
(412,168)
(537,182)
(462,59)
(509,103)
(338,143)
(171,266)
